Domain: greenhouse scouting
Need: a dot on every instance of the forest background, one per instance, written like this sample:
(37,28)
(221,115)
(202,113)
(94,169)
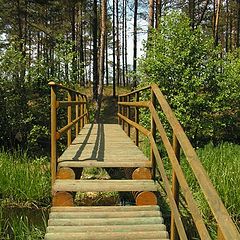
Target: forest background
(61,41)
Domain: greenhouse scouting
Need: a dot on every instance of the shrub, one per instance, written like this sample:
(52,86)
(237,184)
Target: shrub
(196,81)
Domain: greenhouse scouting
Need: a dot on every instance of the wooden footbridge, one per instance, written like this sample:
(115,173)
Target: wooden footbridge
(115,146)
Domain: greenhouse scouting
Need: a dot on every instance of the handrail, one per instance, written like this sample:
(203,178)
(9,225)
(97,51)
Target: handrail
(226,228)
(74,98)
(135,91)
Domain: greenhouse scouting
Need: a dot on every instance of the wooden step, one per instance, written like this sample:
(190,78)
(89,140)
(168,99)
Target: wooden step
(105,163)
(106,208)
(104,185)
(86,215)
(105,221)
(107,235)
(114,228)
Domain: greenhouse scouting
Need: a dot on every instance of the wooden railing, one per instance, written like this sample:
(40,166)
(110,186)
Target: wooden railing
(226,228)
(76,99)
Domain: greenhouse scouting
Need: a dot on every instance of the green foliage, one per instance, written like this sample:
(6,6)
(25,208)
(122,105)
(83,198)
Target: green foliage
(195,80)
(23,179)
(24,99)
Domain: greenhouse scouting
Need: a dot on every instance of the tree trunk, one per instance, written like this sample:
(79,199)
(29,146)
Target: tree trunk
(158,12)
(118,46)
(227,25)
(135,43)
(74,60)
(107,80)
(114,51)
(123,43)
(95,51)
(238,25)
(191,7)
(150,14)
(81,52)
(217,15)
(101,58)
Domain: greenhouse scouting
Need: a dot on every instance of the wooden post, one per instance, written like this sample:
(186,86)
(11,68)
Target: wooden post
(53,131)
(175,189)
(128,116)
(123,113)
(81,113)
(77,114)
(84,111)
(119,109)
(69,110)
(153,131)
(137,120)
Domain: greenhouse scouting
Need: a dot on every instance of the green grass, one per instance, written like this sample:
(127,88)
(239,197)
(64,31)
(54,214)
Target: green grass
(223,167)
(24,180)
(19,228)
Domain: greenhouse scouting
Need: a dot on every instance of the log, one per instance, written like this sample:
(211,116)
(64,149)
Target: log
(142,173)
(65,173)
(146,198)
(61,199)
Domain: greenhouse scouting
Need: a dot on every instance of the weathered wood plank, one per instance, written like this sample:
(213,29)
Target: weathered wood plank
(107,235)
(104,185)
(106,164)
(105,221)
(116,228)
(105,208)
(90,214)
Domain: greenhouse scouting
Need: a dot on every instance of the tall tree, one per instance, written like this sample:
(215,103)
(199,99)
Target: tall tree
(117,44)
(95,51)
(158,12)
(114,50)
(123,42)
(135,42)
(101,57)
(216,20)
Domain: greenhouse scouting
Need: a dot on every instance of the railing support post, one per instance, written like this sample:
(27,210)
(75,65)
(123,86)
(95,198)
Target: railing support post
(81,113)
(69,110)
(119,107)
(175,188)
(53,131)
(153,132)
(84,111)
(128,116)
(137,120)
(77,114)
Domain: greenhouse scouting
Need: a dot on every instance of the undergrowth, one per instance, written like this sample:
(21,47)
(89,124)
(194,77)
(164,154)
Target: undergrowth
(24,180)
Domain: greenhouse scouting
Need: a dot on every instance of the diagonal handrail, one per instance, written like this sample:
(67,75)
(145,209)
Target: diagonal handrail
(226,228)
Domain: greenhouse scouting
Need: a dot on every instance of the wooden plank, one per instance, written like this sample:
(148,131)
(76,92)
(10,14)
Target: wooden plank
(115,228)
(104,185)
(104,221)
(106,164)
(107,235)
(90,214)
(105,208)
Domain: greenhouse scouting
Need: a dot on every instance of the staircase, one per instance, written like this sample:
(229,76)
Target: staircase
(107,222)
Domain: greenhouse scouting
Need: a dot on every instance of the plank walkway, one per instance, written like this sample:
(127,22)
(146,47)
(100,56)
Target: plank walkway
(105,145)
